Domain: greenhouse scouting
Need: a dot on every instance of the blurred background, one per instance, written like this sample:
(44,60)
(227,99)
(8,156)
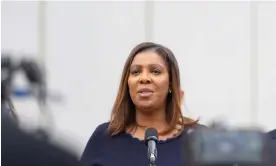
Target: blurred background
(225,50)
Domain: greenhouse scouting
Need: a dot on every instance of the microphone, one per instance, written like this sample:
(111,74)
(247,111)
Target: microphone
(151,138)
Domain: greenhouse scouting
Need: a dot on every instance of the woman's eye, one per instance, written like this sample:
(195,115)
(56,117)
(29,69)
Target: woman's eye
(156,72)
(135,72)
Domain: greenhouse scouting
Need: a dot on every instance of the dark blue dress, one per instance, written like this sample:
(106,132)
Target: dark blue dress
(125,150)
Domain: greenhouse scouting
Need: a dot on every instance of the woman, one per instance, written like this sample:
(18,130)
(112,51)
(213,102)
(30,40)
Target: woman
(149,96)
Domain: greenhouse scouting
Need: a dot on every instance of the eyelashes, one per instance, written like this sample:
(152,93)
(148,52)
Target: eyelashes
(136,72)
(156,72)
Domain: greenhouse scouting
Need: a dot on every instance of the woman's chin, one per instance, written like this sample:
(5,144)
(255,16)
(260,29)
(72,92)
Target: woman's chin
(146,107)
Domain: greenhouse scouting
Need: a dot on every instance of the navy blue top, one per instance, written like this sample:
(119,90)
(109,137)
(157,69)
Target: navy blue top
(125,150)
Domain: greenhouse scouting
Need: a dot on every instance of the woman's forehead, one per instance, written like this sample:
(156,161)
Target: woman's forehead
(148,58)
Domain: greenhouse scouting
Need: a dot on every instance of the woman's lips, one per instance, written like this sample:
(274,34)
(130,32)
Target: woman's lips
(145,92)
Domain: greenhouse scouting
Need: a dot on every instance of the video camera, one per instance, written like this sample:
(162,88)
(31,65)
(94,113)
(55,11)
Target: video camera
(20,147)
(35,77)
(225,147)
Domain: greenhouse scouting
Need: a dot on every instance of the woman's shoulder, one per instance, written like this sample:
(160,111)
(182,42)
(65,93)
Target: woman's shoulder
(196,126)
(99,135)
(95,142)
(190,123)
(101,129)
(102,126)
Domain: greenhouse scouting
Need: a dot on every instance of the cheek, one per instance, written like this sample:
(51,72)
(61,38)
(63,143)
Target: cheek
(163,86)
(131,86)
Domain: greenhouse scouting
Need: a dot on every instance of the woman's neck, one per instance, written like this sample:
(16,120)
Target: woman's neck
(155,119)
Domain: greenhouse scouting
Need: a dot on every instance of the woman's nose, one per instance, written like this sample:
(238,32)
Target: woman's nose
(145,78)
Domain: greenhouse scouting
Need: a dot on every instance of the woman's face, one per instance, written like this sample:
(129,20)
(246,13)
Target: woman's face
(148,81)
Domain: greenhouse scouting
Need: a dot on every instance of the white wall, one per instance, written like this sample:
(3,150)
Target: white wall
(211,40)
(212,44)
(267,64)
(19,27)
(87,44)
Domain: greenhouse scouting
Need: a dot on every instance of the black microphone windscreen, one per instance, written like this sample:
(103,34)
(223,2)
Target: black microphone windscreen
(151,134)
